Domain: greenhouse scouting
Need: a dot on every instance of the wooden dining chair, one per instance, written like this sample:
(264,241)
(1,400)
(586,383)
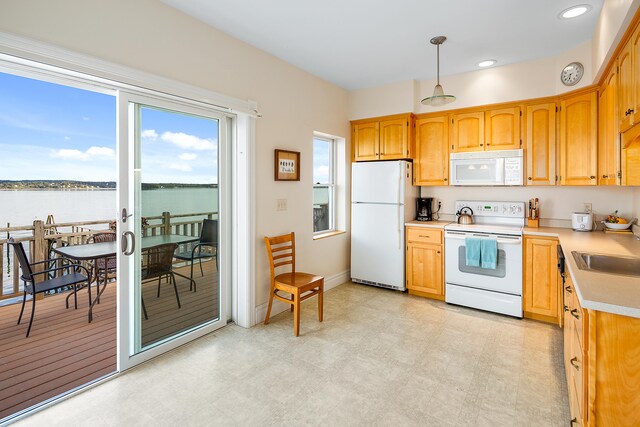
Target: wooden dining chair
(299,286)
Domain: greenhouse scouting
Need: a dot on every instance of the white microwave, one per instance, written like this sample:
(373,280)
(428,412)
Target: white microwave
(489,168)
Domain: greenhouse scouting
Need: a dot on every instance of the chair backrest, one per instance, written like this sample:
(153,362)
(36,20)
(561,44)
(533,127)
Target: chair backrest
(281,251)
(104,237)
(18,250)
(159,260)
(209,232)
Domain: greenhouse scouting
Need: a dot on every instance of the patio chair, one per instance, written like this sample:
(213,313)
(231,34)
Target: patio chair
(158,264)
(32,287)
(209,241)
(104,268)
(299,286)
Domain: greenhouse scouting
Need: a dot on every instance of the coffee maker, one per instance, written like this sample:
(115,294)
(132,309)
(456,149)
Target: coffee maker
(424,208)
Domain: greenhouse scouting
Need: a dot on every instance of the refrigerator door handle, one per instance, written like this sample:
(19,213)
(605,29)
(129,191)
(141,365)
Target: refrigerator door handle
(399,227)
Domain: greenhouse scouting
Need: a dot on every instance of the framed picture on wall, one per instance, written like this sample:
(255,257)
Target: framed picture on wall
(287,165)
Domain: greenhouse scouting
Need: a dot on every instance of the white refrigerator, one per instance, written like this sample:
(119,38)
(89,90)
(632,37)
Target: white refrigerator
(383,198)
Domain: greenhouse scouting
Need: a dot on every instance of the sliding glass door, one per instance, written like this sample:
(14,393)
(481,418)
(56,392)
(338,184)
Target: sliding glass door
(173,217)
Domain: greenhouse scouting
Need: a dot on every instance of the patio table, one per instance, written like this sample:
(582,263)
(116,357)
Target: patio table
(95,251)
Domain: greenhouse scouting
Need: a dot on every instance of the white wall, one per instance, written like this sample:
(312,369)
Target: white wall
(613,20)
(556,203)
(150,36)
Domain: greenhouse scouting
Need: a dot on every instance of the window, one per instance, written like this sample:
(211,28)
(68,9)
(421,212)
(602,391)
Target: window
(324,184)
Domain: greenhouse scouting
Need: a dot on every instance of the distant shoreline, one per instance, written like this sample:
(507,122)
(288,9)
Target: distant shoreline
(64,185)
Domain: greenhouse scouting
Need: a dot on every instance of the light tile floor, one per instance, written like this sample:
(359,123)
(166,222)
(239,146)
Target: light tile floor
(379,358)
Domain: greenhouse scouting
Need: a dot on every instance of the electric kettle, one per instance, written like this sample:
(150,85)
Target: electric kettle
(465,218)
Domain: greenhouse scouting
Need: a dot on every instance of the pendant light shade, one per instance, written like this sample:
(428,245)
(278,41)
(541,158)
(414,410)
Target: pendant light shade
(438,98)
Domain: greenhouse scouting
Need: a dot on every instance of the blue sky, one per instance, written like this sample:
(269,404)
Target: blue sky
(50,131)
(320,161)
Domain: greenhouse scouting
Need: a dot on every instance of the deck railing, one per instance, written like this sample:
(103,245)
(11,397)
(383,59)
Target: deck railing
(41,237)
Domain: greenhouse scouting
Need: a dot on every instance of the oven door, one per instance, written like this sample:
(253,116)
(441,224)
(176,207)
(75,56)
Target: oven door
(482,171)
(506,277)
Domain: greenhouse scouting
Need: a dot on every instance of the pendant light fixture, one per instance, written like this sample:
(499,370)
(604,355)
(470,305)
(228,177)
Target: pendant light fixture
(438,98)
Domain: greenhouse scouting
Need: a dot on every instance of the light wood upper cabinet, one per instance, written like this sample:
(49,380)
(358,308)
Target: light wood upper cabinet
(502,129)
(540,137)
(579,139)
(387,138)
(394,139)
(635,45)
(425,262)
(431,164)
(627,82)
(541,292)
(630,156)
(608,137)
(366,140)
(468,132)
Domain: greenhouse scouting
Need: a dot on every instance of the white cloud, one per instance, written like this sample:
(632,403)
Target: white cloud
(321,172)
(67,138)
(73,154)
(188,142)
(188,156)
(149,134)
(180,167)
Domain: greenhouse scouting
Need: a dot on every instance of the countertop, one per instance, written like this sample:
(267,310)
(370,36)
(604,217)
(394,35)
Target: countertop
(428,224)
(610,293)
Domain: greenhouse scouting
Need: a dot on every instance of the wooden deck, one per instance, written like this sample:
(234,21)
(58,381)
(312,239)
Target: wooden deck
(64,351)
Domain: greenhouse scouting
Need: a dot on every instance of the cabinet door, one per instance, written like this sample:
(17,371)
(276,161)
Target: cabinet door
(540,282)
(631,156)
(540,136)
(424,269)
(431,165)
(468,132)
(635,84)
(502,129)
(394,139)
(608,147)
(366,141)
(579,140)
(626,81)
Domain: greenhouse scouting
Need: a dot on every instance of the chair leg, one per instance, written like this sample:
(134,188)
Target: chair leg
(24,299)
(296,315)
(266,318)
(144,308)
(292,303)
(159,280)
(201,272)
(192,283)
(175,288)
(75,297)
(321,302)
(33,311)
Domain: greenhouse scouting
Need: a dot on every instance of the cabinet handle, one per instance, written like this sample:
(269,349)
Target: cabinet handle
(568,289)
(529,178)
(488,143)
(438,252)
(575,314)
(481,145)
(573,421)
(605,176)
(566,308)
(628,112)
(592,177)
(575,364)
(420,235)
(445,179)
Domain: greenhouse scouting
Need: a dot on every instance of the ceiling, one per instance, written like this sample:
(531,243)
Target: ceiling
(365,43)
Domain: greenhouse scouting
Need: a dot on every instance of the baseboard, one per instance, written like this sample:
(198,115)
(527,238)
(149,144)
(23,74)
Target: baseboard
(279,306)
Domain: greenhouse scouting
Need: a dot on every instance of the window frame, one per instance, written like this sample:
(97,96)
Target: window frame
(331,184)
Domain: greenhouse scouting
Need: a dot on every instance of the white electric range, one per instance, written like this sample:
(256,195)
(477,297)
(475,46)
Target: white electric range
(498,290)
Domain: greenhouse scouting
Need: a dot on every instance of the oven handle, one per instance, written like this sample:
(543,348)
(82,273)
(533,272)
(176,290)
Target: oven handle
(501,238)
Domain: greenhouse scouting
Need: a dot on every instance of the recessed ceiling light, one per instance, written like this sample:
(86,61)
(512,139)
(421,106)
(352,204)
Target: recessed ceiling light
(487,63)
(574,11)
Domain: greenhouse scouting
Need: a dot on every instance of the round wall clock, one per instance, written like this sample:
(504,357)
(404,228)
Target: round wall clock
(571,74)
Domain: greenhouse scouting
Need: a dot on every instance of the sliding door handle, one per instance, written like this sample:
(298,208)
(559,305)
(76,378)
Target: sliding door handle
(125,243)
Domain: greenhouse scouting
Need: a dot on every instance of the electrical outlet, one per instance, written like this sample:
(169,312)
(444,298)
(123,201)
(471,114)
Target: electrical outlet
(281,204)
(587,207)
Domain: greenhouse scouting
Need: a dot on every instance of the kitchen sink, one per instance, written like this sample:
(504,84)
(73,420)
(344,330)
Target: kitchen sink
(612,264)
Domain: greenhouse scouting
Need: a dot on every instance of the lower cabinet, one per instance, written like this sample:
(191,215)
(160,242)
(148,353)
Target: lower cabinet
(541,292)
(425,262)
(602,364)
